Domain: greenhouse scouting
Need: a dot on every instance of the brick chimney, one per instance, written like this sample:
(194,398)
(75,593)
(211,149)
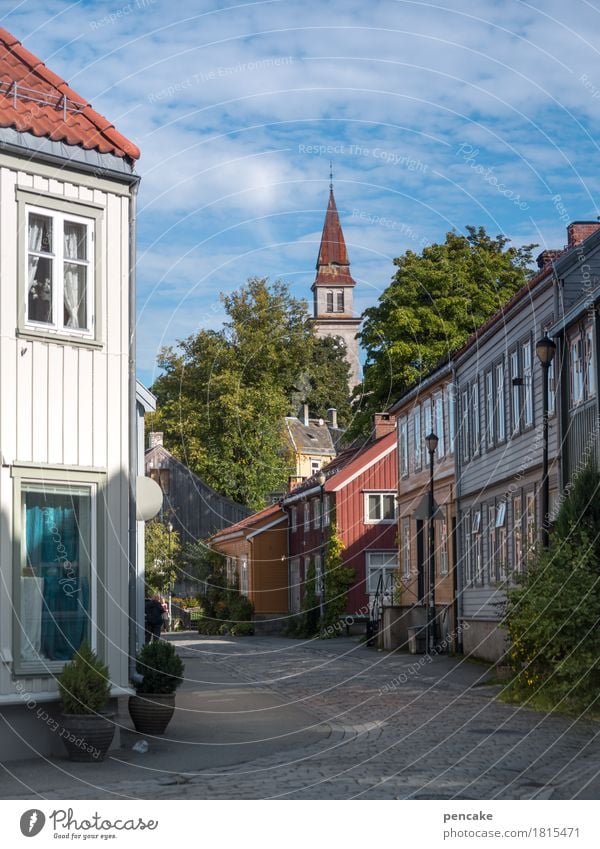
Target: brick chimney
(546,258)
(577,231)
(332,417)
(383,423)
(155,437)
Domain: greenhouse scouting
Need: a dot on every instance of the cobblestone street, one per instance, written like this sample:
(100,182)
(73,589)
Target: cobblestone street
(366,725)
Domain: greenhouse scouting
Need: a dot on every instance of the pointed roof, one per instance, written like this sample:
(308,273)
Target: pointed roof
(35,100)
(333,259)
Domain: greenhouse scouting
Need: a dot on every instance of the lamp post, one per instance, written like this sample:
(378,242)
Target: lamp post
(431,442)
(321,481)
(170,531)
(545,349)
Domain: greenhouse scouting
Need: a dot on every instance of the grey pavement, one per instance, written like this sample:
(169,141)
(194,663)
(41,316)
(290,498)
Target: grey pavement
(269,717)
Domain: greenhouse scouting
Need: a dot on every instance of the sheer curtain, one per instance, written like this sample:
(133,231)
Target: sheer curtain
(36,231)
(73,275)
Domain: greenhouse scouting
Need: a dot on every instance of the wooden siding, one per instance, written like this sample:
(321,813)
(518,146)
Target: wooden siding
(67,404)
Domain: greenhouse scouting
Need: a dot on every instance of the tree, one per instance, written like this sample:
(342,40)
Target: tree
(553,615)
(435,301)
(223,395)
(161,556)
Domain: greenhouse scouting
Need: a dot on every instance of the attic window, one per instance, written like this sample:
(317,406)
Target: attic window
(311,436)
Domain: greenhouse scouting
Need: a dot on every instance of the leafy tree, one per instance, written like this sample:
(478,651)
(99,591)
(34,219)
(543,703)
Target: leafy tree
(553,615)
(338,580)
(223,395)
(435,301)
(160,560)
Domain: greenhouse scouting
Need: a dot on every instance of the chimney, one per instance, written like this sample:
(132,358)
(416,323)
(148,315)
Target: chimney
(155,437)
(577,231)
(383,423)
(305,420)
(546,258)
(332,417)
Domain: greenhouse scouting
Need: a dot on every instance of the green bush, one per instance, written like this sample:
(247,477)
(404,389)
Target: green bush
(84,685)
(338,580)
(160,667)
(553,615)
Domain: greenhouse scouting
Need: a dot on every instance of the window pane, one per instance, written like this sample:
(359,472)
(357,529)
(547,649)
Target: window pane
(75,240)
(417,437)
(75,312)
(374,508)
(340,302)
(55,579)
(40,233)
(389,507)
(39,296)
(329,301)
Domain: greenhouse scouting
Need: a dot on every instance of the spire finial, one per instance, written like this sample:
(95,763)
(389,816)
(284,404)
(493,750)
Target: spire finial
(330,175)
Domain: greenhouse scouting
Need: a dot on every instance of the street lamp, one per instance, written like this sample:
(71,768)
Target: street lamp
(431,442)
(170,531)
(321,478)
(545,349)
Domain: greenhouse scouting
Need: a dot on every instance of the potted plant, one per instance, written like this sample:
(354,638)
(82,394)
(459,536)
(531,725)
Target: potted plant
(152,708)
(84,688)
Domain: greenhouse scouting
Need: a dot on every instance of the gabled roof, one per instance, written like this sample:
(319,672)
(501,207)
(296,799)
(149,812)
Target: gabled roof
(332,250)
(347,466)
(269,515)
(33,99)
(313,438)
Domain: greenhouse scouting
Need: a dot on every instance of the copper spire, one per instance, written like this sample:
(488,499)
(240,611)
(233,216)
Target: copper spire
(332,251)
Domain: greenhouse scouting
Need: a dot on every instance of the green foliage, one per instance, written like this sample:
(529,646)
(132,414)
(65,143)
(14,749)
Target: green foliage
(553,615)
(161,668)
(224,610)
(338,580)
(160,565)
(223,395)
(435,301)
(84,684)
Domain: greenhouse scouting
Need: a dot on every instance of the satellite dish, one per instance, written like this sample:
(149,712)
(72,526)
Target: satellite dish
(148,499)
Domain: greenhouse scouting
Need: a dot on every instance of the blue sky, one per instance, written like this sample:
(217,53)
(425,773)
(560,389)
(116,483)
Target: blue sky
(436,116)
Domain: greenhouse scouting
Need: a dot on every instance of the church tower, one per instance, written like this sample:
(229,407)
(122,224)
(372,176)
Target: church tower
(333,290)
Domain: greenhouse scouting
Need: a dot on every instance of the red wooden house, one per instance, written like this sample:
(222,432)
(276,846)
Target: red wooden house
(360,493)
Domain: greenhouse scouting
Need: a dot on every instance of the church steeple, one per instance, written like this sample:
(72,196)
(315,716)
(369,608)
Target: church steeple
(334,286)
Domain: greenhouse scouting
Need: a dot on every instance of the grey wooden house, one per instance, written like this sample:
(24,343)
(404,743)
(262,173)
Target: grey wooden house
(498,385)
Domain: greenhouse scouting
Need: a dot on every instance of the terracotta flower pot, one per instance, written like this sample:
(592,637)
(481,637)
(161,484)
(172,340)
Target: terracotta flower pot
(87,737)
(151,712)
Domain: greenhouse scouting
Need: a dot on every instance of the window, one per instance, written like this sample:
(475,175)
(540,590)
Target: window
(530,519)
(315,466)
(517,533)
(444,549)
(230,570)
(294,519)
(478,560)
(326,510)
(417,438)
(381,569)
(406,548)
(500,406)
(427,418)
(244,574)
(318,575)
(403,437)
(55,573)
(329,301)
(439,424)
(451,407)
(59,276)
(476,521)
(162,478)
(467,553)
(380,507)
(515,407)
(590,376)
(581,366)
(489,409)
(491,529)
(476,428)
(527,385)
(465,435)
(316,513)
(306,515)
(339,301)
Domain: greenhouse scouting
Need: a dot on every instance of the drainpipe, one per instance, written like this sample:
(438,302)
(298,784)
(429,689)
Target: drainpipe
(133,446)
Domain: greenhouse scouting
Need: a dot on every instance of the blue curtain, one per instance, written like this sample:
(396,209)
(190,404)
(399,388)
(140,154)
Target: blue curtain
(56,554)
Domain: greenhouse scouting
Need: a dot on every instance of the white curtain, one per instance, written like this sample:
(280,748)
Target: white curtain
(36,231)
(72,276)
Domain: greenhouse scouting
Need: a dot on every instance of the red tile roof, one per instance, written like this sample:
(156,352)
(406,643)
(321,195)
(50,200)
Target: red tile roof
(332,251)
(35,100)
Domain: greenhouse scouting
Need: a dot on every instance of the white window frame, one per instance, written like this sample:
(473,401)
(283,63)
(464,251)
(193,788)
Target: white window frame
(417,439)
(306,515)
(444,548)
(465,427)
(244,580)
(515,411)
(372,571)
(527,384)
(406,561)
(427,418)
(476,419)
(326,510)
(317,513)
(451,407)
(57,327)
(380,494)
(403,439)
(489,409)
(500,404)
(438,406)
(589,349)
(318,574)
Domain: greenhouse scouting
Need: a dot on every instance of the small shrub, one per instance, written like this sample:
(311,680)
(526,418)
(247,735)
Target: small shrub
(84,685)
(161,668)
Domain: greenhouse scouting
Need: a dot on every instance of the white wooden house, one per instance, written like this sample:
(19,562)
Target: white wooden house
(67,401)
